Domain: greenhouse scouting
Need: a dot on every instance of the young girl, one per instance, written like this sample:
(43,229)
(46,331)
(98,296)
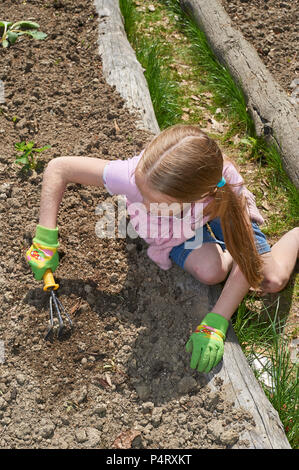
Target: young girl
(180,168)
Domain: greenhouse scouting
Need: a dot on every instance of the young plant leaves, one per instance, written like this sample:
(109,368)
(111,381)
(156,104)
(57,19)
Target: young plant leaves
(25,25)
(10,32)
(27,158)
(37,34)
(12,37)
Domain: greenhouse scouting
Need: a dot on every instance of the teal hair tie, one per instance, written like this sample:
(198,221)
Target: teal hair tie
(221,183)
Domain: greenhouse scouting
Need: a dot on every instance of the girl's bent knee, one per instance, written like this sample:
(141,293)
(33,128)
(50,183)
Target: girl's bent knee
(207,276)
(275,283)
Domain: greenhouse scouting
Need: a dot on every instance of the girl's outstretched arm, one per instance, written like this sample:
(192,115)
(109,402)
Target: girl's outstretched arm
(61,171)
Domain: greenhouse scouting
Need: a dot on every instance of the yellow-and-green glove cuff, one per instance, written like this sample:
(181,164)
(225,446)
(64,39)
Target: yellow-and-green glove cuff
(46,236)
(42,254)
(214,320)
(207,342)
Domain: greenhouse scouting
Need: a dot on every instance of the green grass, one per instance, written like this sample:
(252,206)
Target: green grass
(163,91)
(226,93)
(261,334)
(151,55)
(267,156)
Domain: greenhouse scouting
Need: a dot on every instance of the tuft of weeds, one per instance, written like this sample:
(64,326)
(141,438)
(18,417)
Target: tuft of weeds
(27,158)
(261,337)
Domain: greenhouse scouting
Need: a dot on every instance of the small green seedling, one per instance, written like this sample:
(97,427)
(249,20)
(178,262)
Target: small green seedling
(9,32)
(27,157)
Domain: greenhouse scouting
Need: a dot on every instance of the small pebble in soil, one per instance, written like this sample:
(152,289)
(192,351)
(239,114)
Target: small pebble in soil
(81,435)
(100,410)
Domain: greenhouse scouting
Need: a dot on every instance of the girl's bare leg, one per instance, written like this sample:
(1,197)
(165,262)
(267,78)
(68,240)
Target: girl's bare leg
(209,264)
(280,262)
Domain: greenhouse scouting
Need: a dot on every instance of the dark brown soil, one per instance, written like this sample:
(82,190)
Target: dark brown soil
(271,27)
(124,365)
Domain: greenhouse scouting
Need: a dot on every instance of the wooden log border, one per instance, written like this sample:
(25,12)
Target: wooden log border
(243,389)
(273,112)
(121,68)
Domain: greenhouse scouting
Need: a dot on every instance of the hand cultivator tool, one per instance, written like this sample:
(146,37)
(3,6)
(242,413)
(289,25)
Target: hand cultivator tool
(50,285)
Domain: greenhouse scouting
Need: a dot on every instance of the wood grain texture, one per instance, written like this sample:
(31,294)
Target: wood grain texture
(274,114)
(121,67)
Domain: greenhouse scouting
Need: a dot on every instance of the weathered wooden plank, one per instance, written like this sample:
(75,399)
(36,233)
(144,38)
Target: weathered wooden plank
(120,65)
(123,70)
(243,388)
(274,114)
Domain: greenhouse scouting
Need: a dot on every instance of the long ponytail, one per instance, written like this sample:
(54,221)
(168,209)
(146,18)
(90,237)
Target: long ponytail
(237,232)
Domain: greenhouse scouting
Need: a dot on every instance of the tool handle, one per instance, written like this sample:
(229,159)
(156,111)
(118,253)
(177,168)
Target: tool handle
(49,281)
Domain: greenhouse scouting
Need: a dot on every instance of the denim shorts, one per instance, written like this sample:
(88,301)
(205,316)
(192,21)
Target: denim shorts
(179,253)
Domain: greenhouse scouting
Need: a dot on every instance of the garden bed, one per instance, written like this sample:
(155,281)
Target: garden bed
(271,28)
(122,378)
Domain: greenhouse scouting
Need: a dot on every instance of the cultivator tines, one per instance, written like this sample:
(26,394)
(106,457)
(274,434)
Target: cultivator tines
(55,305)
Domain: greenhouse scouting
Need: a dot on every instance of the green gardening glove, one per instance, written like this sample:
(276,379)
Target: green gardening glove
(42,254)
(207,342)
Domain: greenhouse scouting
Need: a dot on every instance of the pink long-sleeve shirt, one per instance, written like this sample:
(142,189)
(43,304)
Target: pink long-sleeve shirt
(162,233)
